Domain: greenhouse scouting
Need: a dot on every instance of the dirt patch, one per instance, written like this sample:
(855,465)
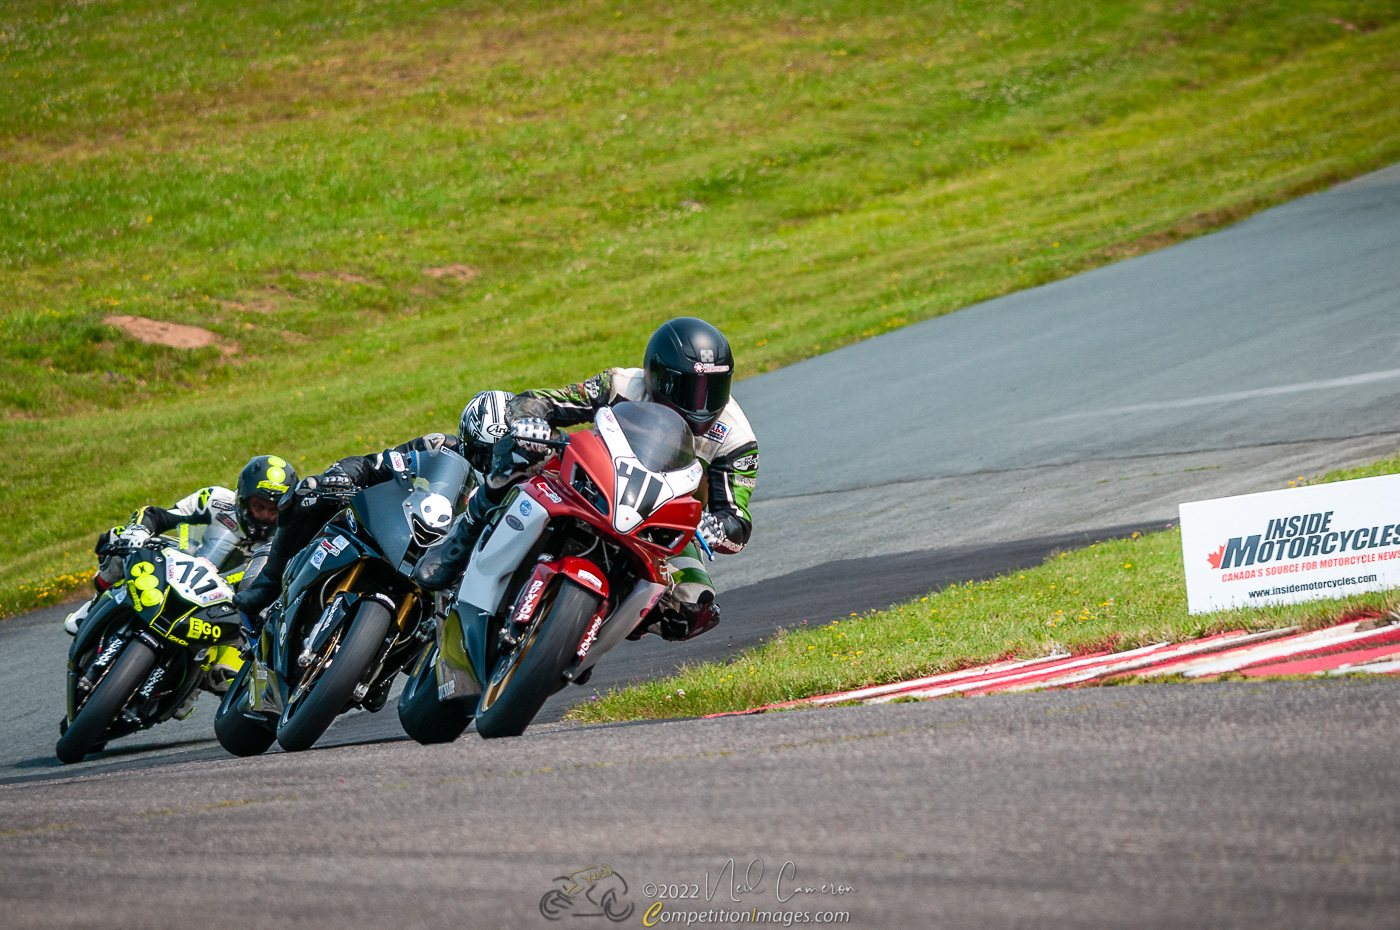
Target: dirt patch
(255,305)
(175,335)
(267,300)
(462,273)
(339,276)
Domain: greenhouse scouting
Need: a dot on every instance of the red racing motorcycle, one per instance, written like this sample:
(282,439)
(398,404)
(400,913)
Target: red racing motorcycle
(566,568)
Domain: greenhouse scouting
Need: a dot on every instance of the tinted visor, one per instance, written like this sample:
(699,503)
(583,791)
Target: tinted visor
(699,396)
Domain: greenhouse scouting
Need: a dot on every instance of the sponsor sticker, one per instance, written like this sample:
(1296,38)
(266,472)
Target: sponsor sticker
(545,489)
(746,463)
(525,507)
(513,522)
(396,461)
(590,637)
(527,604)
(327,548)
(1298,544)
(590,578)
(705,368)
(228,521)
(718,432)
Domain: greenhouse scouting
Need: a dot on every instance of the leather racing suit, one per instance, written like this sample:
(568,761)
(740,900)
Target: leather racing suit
(225,544)
(729,452)
(302,513)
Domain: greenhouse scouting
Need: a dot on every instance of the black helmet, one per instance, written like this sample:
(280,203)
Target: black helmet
(264,476)
(688,368)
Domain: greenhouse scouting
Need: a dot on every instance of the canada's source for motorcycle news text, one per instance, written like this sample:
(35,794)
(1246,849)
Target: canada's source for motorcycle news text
(1298,544)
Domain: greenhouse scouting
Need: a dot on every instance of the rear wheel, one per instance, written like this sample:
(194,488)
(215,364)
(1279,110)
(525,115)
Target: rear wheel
(237,732)
(339,673)
(426,717)
(525,678)
(128,670)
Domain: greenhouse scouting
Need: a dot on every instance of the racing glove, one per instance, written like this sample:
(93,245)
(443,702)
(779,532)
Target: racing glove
(711,529)
(526,429)
(135,535)
(309,490)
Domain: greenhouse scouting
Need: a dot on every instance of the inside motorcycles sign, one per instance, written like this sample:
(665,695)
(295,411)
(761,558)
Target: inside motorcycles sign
(1300,544)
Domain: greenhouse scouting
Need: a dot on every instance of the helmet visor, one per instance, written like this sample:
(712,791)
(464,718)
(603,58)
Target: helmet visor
(699,396)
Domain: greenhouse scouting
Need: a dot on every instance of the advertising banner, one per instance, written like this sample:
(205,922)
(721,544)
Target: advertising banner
(1299,544)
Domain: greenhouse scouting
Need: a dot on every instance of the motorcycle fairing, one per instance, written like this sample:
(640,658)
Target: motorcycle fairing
(621,621)
(498,555)
(195,579)
(640,492)
(588,453)
(483,586)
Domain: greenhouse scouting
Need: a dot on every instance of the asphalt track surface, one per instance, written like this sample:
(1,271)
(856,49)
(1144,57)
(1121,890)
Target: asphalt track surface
(956,448)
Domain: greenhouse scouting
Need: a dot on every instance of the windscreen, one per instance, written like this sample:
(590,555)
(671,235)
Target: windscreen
(658,436)
(445,471)
(217,543)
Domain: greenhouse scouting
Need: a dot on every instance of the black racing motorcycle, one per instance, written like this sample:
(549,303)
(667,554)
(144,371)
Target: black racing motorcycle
(350,616)
(147,645)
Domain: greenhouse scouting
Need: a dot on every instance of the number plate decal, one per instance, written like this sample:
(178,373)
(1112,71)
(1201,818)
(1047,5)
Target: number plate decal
(195,579)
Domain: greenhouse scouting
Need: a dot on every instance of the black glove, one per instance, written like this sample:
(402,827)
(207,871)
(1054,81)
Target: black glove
(510,461)
(309,490)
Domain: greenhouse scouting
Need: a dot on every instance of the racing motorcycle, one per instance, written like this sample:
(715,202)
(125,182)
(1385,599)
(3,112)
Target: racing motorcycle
(349,617)
(146,646)
(566,568)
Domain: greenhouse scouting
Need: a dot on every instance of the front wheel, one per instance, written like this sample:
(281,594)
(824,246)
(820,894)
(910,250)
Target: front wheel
(237,732)
(525,678)
(106,701)
(309,717)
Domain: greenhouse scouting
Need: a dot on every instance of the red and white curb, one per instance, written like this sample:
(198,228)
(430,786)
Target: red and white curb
(1356,646)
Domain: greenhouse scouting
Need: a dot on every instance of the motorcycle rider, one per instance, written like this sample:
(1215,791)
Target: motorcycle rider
(688,366)
(304,510)
(239,520)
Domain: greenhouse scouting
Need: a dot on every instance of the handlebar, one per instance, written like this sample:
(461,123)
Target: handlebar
(343,495)
(120,546)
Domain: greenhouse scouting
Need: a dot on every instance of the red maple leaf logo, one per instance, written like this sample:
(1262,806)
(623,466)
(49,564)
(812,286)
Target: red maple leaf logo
(1215,557)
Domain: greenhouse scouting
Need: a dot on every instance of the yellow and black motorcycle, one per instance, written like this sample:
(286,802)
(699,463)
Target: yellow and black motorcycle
(148,645)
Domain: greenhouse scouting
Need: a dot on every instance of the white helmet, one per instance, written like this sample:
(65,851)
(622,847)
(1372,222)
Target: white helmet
(484,421)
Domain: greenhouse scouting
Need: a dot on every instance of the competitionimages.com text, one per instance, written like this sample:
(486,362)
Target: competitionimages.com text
(658,915)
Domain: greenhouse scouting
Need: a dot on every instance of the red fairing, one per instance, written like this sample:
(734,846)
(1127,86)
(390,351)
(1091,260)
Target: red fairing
(556,494)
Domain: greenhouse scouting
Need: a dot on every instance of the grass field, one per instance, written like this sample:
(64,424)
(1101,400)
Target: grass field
(1114,594)
(380,208)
